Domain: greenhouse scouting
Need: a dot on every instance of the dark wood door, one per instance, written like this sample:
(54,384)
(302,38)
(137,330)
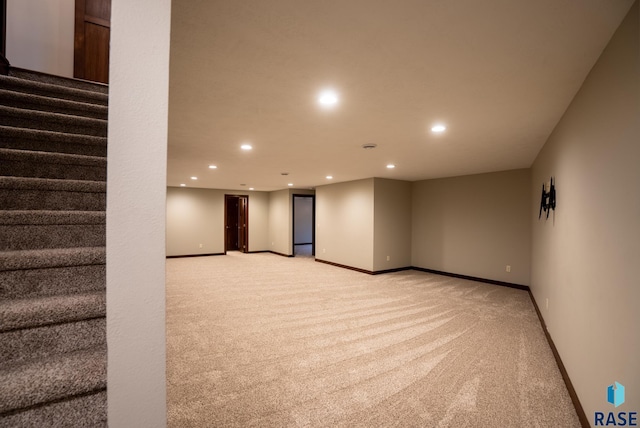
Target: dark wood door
(242,224)
(231,223)
(91,45)
(236,223)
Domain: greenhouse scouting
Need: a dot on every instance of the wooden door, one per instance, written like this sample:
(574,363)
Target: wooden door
(231,223)
(236,223)
(242,223)
(91,42)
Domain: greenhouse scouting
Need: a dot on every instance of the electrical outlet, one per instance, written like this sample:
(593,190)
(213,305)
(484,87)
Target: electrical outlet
(546,303)
(324,250)
(200,245)
(508,268)
(388,258)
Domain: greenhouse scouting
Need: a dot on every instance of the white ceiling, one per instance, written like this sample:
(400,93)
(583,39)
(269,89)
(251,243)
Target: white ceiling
(498,73)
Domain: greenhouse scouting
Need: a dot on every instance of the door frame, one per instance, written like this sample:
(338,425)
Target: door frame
(4,63)
(3,23)
(313,222)
(244,246)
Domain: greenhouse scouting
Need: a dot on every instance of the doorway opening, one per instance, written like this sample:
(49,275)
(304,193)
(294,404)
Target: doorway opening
(236,223)
(304,225)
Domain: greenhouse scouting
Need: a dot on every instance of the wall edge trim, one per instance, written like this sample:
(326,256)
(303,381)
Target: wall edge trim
(195,255)
(473,278)
(368,272)
(344,266)
(582,416)
(281,254)
(400,269)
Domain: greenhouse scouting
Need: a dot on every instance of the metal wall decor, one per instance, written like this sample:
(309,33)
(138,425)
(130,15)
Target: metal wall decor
(548,200)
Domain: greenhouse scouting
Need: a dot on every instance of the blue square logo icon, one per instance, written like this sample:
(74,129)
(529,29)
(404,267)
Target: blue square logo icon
(615,394)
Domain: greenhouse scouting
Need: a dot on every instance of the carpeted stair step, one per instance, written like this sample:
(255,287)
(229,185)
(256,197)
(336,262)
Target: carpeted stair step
(53,379)
(30,230)
(19,193)
(41,311)
(26,283)
(48,141)
(17,117)
(87,410)
(20,346)
(53,105)
(41,273)
(37,76)
(46,89)
(51,258)
(27,163)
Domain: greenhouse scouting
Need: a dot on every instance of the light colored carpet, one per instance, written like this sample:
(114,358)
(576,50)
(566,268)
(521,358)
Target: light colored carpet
(264,340)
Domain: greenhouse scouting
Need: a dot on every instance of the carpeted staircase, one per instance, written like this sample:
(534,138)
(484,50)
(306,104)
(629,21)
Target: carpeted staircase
(53,352)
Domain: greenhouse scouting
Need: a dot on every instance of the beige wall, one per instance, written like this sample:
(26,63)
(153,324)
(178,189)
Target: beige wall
(136,206)
(392,224)
(258,221)
(344,223)
(474,225)
(40,35)
(586,255)
(280,222)
(196,216)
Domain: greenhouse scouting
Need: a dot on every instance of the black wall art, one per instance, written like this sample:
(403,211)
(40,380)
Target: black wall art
(548,200)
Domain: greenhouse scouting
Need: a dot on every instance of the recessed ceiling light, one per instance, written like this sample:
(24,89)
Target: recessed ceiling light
(391,166)
(246,146)
(329,177)
(251,188)
(194,178)
(290,184)
(438,128)
(213,167)
(328,98)
(182,185)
